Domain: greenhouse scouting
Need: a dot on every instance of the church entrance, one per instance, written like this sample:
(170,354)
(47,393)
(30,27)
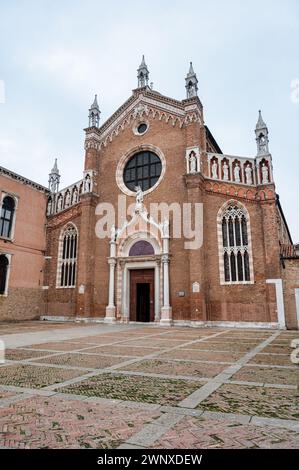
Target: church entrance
(142,295)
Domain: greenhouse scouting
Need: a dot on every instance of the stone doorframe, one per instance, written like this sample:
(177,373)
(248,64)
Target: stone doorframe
(121,239)
(123,285)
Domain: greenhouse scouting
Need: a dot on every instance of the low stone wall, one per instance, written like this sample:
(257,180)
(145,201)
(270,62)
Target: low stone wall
(21,304)
(290,283)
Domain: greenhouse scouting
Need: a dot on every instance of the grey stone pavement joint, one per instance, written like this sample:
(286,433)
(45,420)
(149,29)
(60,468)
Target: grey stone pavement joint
(193,400)
(4,402)
(240,418)
(123,364)
(171,415)
(16,340)
(153,431)
(35,337)
(260,384)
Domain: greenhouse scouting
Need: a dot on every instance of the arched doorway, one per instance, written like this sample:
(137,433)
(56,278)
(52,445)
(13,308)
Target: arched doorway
(142,284)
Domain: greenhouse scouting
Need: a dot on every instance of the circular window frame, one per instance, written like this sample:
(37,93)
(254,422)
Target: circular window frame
(136,125)
(124,160)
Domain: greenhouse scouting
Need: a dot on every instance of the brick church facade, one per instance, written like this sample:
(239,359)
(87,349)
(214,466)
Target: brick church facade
(164,227)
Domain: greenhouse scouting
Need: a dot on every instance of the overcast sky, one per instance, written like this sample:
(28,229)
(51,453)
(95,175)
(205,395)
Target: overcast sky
(55,55)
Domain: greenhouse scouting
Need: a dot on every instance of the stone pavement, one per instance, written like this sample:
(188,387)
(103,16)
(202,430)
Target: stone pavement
(143,386)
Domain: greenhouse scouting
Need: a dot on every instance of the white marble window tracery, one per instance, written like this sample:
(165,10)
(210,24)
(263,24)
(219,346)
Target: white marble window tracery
(235,245)
(67,257)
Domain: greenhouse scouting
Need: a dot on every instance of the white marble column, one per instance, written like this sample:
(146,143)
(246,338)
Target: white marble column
(165,261)
(166,311)
(110,309)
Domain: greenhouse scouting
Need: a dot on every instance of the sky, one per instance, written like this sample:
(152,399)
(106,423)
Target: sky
(56,54)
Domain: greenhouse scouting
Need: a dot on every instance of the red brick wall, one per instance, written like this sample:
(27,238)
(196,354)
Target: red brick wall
(254,302)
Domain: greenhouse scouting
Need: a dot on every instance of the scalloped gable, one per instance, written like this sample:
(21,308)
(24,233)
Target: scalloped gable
(149,103)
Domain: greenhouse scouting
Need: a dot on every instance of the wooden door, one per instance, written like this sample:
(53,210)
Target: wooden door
(142,295)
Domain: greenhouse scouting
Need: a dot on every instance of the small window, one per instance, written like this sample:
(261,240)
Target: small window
(3,273)
(142,128)
(7,214)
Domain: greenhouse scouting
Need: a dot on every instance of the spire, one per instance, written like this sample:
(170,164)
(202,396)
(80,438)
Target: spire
(262,139)
(54,178)
(191,83)
(142,74)
(191,71)
(260,123)
(94,113)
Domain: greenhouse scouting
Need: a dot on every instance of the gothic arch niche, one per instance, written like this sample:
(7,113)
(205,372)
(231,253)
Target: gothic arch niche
(237,171)
(264,171)
(234,244)
(248,173)
(225,169)
(214,168)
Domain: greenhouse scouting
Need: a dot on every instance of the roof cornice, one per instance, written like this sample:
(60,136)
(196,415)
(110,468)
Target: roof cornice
(23,179)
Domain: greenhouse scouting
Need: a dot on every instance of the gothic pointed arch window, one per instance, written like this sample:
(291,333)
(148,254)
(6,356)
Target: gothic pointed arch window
(235,252)
(7,217)
(67,257)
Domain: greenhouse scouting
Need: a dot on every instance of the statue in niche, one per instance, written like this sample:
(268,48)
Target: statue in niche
(237,173)
(87,184)
(265,174)
(67,199)
(59,203)
(248,173)
(193,162)
(75,196)
(225,171)
(215,170)
(49,206)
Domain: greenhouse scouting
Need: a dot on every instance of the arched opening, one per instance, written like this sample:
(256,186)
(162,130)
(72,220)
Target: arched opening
(141,248)
(234,244)
(7,214)
(67,257)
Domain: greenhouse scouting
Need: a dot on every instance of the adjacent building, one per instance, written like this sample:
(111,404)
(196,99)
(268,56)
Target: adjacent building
(22,246)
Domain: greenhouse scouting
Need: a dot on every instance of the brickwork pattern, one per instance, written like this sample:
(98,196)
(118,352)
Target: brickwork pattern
(71,393)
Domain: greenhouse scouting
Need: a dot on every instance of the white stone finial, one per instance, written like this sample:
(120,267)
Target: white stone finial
(191,83)
(54,178)
(139,199)
(142,74)
(165,228)
(94,113)
(262,136)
